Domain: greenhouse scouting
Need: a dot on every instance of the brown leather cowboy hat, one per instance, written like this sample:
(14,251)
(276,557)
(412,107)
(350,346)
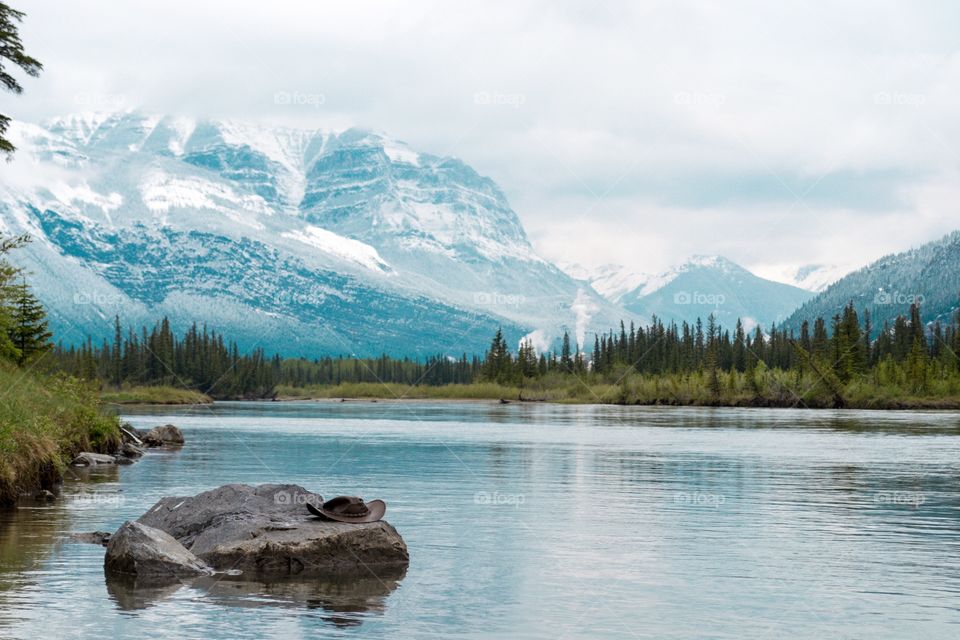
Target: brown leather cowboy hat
(350,509)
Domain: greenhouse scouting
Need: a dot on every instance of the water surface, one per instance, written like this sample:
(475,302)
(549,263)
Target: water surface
(538,521)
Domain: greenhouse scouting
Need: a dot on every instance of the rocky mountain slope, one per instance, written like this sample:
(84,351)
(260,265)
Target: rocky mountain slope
(697,288)
(303,242)
(929,275)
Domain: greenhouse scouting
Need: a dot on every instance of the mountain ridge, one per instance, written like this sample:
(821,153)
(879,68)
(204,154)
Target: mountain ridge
(696,288)
(389,233)
(928,275)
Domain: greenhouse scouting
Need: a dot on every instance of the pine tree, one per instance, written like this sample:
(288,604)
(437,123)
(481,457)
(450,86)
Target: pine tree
(711,359)
(116,359)
(11,49)
(739,347)
(566,363)
(498,364)
(28,331)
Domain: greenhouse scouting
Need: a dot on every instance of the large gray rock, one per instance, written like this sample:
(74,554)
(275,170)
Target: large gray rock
(150,555)
(87,459)
(167,434)
(266,531)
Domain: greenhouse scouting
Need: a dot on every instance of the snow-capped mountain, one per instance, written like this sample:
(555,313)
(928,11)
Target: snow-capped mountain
(301,241)
(812,277)
(697,288)
(928,275)
(609,280)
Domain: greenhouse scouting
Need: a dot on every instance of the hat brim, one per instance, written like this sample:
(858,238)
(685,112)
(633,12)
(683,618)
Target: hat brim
(377,509)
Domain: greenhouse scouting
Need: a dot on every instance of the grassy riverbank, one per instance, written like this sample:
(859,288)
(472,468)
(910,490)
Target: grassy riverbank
(154,395)
(760,388)
(44,422)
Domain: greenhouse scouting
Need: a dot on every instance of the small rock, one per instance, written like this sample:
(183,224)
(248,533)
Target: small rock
(92,537)
(150,554)
(44,496)
(87,459)
(122,459)
(168,434)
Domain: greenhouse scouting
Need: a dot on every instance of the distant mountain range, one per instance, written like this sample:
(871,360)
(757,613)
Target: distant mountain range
(929,274)
(701,286)
(310,242)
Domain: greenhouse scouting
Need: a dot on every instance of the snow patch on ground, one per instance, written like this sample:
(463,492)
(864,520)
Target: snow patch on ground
(341,247)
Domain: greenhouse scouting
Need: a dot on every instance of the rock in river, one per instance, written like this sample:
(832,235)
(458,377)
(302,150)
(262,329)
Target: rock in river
(101,538)
(265,531)
(168,434)
(88,459)
(150,555)
(130,450)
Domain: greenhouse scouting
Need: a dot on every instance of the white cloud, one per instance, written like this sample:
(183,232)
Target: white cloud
(774,133)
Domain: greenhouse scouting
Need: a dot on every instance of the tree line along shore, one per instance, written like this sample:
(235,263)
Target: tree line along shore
(840,362)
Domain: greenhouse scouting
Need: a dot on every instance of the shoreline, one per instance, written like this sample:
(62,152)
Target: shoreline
(950,405)
(607,396)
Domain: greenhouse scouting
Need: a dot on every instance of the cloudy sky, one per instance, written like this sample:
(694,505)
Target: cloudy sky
(776,134)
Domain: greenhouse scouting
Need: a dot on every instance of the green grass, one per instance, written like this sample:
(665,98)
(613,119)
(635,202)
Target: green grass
(44,422)
(393,391)
(154,395)
(762,388)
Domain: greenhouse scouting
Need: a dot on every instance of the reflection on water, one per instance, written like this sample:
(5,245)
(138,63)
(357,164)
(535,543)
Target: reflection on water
(537,521)
(342,598)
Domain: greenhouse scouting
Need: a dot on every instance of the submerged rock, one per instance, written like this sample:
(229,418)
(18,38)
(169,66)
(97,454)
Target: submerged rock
(168,434)
(150,555)
(87,459)
(92,537)
(266,531)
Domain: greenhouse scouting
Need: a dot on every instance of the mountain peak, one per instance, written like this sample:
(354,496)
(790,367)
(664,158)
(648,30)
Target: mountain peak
(332,237)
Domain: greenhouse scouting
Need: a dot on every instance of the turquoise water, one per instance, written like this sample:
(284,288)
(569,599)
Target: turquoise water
(538,521)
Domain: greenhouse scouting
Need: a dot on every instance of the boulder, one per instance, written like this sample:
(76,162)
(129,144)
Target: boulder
(87,459)
(168,434)
(150,555)
(266,532)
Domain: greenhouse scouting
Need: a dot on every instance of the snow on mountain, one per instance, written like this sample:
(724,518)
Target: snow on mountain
(701,286)
(812,277)
(301,241)
(928,275)
(609,280)
(346,248)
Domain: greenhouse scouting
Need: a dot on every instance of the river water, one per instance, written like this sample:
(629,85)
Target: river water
(537,521)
